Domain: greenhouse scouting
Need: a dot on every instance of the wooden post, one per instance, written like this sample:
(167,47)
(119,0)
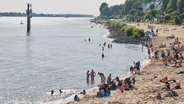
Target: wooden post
(28,18)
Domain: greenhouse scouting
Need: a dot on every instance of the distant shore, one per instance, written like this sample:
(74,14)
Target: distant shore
(19,14)
(147,83)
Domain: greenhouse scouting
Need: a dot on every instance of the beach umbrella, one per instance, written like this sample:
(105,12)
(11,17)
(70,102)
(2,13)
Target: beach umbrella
(148,33)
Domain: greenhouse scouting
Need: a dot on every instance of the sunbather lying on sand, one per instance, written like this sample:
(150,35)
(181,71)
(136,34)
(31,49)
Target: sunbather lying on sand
(170,37)
(165,79)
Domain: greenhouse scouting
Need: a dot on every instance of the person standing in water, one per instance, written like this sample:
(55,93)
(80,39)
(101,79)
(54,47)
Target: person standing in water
(88,73)
(109,79)
(92,75)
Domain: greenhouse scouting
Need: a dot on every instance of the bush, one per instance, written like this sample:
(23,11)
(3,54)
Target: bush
(167,17)
(177,20)
(138,33)
(128,30)
(141,33)
(182,16)
(135,32)
(170,11)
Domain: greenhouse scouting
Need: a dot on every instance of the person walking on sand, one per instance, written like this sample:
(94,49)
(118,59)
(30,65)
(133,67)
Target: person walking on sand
(149,53)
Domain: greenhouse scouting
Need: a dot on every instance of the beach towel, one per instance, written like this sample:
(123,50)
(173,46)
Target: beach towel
(106,96)
(180,72)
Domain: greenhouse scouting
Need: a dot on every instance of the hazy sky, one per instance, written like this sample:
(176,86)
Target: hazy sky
(57,6)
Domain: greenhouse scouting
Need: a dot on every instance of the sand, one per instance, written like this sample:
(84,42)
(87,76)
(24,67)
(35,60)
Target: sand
(147,83)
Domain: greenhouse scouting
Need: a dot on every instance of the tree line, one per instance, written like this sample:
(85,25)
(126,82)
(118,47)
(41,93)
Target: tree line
(172,11)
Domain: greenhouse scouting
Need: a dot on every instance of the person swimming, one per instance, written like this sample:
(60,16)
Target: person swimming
(103,55)
(52,92)
(60,91)
(102,48)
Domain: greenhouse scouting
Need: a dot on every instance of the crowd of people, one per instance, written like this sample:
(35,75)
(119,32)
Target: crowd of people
(167,90)
(106,86)
(172,56)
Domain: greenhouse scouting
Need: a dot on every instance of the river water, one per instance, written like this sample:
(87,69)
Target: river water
(56,56)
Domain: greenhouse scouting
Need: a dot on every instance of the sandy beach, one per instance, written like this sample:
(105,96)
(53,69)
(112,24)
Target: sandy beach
(147,83)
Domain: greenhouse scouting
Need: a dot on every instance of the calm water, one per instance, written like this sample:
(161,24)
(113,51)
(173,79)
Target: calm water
(55,56)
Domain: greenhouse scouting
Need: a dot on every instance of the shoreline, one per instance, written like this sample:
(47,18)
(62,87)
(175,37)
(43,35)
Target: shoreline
(92,91)
(147,83)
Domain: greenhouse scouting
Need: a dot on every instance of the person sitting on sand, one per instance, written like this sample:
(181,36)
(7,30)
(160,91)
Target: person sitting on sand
(177,86)
(126,87)
(84,92)
(156,54)
(113,85)
(178,64)
(100,93)
(76,98)
(133,81)
(181,56)
(159,97)
(170,93)
(163,54)
(119,83)
(166,87)
(170,37)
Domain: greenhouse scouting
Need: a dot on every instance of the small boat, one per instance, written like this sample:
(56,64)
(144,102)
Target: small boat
(21,23)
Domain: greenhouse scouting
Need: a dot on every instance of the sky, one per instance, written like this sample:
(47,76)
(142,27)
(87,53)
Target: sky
(57,6)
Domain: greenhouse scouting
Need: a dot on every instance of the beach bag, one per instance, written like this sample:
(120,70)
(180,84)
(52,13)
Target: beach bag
(122,90)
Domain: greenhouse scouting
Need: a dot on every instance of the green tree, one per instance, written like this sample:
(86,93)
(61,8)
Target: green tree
(132,12)
(116,9)
(177,20)
(136,5)
(128,5)
(153,13)
(182,16)
(128,30)
(152,6)
(172,6)
(103,5)
(167,17)
(181,6)
(164,4)
(105,11)
(140,8)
